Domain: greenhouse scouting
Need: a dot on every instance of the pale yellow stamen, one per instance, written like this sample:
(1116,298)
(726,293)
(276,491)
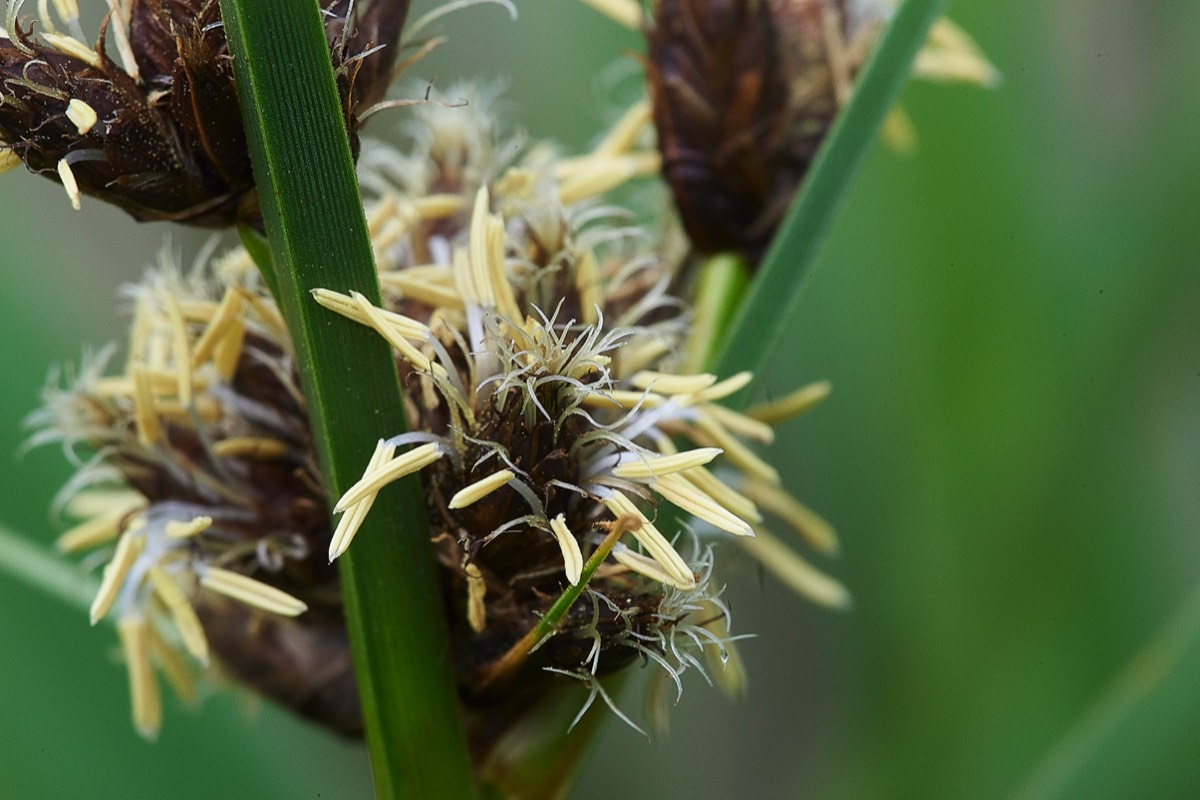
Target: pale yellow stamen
(949,66)
(82,115)
(8,159)
(139,332)
(67,10)
(374,480)
(251,592)
(181,350)
(587,283)
(480,489)
(68,181)
(205,407)
(623,399)
(352,520)
(121,11)
(806,522)
(476,590)
(738,454)
(625,12)
(356,307)
(162,383)
(650,467)
(486,259)
(126,386)
(228,350)
(381,213)
(950,54)
(430,294)
(418,359)
(597,175)
(654,542)
(642,565)
(233,266)
(899,132)
(438,206)
(683,493)
(267,312)
(721,390)
(143,686)
(256,447)
(190,629)
(792,404)
(797,573)
(624,134)
(173,668)
(178,529)
(149,429)
(95,502)
(197,310)
(517,183)
(432,285)
(157,345)
(439,274)
(44,16)
(98,530)
(73,48)
(572,557)
(378,320)
(638,355)
(129,547)
(667,383)
(708,483)
(741,424)
(219,323)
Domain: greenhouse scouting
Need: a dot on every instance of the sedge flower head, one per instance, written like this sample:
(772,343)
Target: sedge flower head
(537,342)
(157,131)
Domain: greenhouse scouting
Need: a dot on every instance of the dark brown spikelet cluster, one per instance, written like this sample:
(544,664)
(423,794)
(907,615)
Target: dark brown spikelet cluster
(216,437)
(158,131)
(743,93)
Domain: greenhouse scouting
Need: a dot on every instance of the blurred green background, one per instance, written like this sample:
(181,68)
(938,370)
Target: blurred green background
(1011,453)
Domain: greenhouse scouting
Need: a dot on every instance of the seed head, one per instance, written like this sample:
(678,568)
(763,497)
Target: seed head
(745,91)
(159,134)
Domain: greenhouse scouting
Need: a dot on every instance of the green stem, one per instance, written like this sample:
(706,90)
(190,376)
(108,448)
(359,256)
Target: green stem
(44,570)
(511,661)
(1082,749)
(259,250)
(313,216)
(720,287)
(776,290)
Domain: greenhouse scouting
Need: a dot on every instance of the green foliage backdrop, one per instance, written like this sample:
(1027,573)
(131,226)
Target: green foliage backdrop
(1011,452)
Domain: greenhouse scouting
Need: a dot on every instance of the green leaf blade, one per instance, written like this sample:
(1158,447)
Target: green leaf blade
(314,220)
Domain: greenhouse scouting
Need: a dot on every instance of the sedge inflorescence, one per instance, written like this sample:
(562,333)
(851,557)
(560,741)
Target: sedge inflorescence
(580,474)
(537,340)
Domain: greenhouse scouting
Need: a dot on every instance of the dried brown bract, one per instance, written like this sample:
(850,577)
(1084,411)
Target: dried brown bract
(160,133)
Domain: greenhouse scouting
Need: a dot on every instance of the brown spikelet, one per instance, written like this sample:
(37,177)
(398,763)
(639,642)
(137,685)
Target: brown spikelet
(167,143)
(737,116)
